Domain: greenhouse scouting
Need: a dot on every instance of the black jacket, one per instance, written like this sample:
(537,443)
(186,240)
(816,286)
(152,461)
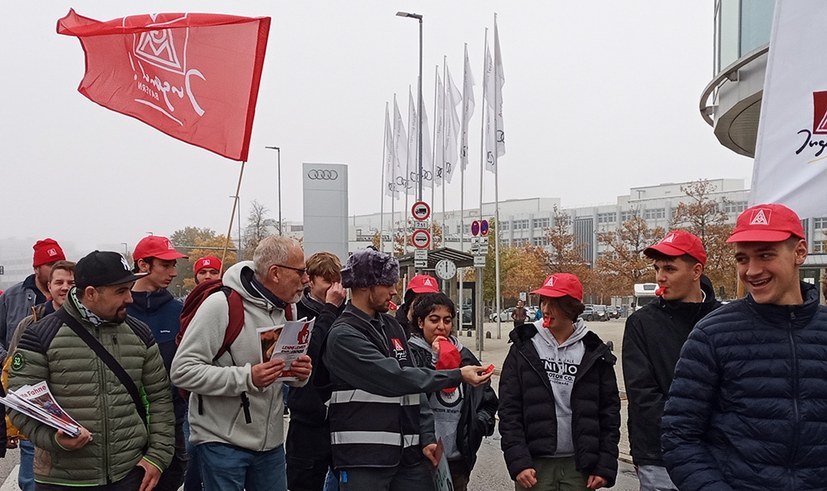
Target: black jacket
(528,422)
(652,345)
(478,406)
(748,407)
(307,403)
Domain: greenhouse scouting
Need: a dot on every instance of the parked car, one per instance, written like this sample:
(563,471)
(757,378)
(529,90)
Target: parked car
(588,314)
(614,312)
(505,315)
(602,313)
(595,313)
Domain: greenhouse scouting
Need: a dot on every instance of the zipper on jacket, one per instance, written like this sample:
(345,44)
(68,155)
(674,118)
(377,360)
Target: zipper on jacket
(796,416)
(105,433)
(591,361)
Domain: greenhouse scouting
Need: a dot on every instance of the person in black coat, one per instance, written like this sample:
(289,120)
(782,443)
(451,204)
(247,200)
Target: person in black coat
(463,415)
(308,436)
(652,344)
(559,402)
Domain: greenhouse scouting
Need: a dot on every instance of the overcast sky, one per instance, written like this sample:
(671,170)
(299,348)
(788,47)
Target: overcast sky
(600,96)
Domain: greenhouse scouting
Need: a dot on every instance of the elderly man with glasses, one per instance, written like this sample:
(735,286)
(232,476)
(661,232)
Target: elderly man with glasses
(236,423)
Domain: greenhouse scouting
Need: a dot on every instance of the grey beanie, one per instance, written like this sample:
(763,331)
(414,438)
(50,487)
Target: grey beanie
(370,267)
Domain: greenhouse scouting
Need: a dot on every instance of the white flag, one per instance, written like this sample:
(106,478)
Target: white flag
(453,97)
(467,109)
(439,132)
(389,163)
(790,158)
(413,147)
(494,80)
(427,153)
(400,147)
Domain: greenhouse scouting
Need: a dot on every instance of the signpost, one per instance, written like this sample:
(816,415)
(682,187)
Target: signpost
(421,239)
(421,258)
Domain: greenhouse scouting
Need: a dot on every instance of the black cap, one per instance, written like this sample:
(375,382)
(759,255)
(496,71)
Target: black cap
(103,268)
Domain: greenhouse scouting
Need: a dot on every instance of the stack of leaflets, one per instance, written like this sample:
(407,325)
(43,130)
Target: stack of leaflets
(285,342)
(36,401)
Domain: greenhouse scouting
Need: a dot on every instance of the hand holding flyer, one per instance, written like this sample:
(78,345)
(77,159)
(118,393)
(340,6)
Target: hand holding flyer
(37,402)
(286,342)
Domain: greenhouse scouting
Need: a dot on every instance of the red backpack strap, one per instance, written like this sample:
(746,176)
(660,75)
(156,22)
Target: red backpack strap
(236,322)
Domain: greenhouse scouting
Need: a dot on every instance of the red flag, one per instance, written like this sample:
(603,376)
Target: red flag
(193,76)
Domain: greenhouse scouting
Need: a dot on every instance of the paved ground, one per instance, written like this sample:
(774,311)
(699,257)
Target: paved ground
(489,473)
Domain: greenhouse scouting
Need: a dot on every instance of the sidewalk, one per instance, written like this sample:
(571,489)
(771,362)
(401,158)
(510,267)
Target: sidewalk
(495,351)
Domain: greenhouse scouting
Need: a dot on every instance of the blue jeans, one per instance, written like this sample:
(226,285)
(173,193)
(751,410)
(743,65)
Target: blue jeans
(227,468)
(25,475)
(331,482)
(192,481)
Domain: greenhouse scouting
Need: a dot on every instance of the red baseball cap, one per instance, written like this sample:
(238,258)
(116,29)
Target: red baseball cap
(767,223)
(423,283)
(678,243)
(207,262)
(156,246)
(560,285)
(46,251)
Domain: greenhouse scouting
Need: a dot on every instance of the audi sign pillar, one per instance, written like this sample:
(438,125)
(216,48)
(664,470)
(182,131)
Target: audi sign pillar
(325,209)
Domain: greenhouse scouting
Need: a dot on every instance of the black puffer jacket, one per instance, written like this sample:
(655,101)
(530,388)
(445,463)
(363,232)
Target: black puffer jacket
(748,406)
(652,344)
(528,422)
(478,407)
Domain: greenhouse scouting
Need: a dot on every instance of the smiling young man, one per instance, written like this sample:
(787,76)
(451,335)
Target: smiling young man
(746,408)
(652,344)
(153,304)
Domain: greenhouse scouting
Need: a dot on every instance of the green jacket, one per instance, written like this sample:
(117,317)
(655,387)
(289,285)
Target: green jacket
(92,394)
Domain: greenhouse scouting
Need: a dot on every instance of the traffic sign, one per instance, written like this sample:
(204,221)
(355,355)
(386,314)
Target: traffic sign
(475,228)
(479,261)
(421,255)
(421,239)
(484,227)
(420,210)
(420,264)
(421,224)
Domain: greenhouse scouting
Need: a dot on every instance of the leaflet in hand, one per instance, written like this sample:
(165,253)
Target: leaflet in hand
(36,401)
(286,342)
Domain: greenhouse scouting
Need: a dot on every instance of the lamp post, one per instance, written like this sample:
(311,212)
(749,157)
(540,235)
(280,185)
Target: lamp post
(419,104)
(278,164)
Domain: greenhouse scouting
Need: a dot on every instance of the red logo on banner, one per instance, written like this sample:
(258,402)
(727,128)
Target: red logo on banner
(820,113)
(194,77)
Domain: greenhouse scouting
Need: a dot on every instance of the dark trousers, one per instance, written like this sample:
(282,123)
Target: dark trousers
(308,456)
(132,482)
(400,478)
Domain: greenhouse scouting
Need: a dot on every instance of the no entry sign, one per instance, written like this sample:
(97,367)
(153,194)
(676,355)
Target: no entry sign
(421,239)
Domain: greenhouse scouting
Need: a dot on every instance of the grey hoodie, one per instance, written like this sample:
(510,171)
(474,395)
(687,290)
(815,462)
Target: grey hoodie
(561,362)
(221,419)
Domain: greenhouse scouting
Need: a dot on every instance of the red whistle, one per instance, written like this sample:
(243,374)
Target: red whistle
(546,322)
(489,369)
(660,291)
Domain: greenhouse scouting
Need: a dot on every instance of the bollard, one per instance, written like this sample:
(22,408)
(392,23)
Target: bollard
(487,334)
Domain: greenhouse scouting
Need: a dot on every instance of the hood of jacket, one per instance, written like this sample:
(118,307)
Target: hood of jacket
(241,278)
(797,315)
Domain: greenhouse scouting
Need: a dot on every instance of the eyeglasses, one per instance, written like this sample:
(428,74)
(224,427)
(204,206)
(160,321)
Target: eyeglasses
(301,271)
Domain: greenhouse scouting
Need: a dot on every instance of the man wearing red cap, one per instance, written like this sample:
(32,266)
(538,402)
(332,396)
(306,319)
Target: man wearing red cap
(746,409)
(152,303)
(419,285)
(652,344)
(207,268)
(559,403)
(15,305)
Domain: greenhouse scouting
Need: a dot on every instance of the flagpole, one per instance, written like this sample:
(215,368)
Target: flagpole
(482,170)
(496,190)
(232,216)
(444,128)
(407,177)
(385,144)
(462,188)
(393,190)
(433,156)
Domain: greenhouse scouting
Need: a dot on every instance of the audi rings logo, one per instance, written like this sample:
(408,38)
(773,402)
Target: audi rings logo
(322,175)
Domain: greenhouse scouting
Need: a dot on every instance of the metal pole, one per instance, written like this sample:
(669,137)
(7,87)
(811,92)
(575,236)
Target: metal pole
(419,104)
(278,166)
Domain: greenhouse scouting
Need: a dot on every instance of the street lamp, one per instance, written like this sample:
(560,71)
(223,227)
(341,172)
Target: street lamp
(278,164)
(419,103)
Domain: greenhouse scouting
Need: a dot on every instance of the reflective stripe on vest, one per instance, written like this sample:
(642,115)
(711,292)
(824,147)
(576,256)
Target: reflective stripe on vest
(358,395)
(372,438)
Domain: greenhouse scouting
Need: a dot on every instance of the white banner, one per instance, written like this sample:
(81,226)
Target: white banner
(413,147)
(790,156)
(467,109)
(390,162)
(439,132)
(453,97)
(400,147)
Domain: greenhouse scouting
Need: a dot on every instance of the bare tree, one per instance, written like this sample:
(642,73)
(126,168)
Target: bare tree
(259,226)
